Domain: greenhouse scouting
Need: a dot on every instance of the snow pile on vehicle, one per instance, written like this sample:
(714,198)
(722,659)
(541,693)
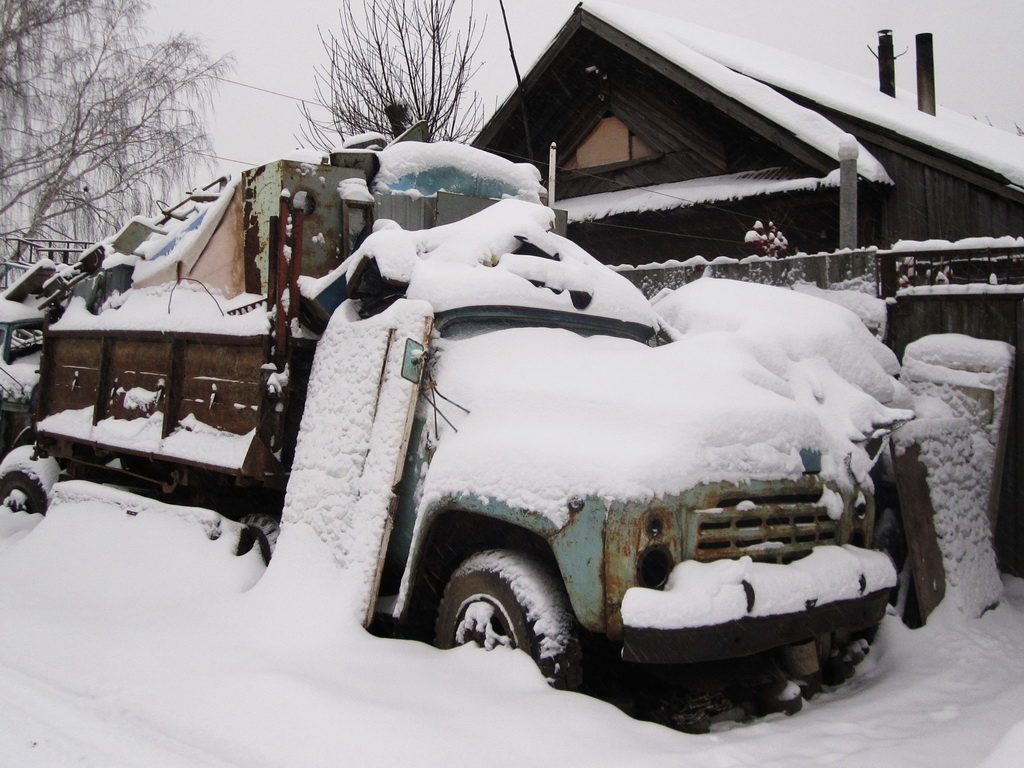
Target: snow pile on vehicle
(183,307)
(706,594)
(505,255)
(422,170)
(18,380)
(352,438)
(872,311)
(960,386)
(540,415)
(821,354)
(191,439)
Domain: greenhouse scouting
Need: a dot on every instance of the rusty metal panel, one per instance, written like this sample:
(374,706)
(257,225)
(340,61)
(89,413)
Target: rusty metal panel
(139,373)
(322,242)
(221,386)
(775,532)
(74,367)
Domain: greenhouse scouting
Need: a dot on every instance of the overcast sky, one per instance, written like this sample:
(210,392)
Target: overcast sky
(978,51)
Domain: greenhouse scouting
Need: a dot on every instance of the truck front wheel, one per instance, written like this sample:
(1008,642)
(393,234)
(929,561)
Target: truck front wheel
(503,598)
(21,492)
(25,482)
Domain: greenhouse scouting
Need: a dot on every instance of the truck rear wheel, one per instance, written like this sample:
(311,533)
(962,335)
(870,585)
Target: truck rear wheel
(503,598)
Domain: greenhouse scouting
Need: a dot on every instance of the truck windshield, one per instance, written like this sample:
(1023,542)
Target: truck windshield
(473,321)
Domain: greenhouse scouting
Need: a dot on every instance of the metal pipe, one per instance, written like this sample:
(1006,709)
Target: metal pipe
(925,73)
(886,63)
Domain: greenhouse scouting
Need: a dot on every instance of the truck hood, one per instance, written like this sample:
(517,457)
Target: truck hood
(534,416)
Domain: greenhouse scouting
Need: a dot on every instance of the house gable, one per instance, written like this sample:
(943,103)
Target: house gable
(584,79)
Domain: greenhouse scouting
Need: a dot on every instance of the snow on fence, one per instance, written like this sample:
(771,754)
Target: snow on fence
(881,273)
(843,269)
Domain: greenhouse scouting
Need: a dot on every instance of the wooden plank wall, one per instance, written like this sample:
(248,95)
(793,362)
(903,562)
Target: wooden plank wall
(927,203)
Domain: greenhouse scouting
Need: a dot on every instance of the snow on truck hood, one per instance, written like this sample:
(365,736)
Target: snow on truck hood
(757,375)
(552,415)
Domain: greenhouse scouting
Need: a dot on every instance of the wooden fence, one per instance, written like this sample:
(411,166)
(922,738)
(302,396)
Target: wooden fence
(881,273)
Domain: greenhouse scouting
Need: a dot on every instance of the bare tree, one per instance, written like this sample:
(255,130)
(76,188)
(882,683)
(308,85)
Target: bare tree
(401,63)
(94,123)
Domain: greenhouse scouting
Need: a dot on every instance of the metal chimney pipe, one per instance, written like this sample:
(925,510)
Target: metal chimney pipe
(925,73)
(886,63)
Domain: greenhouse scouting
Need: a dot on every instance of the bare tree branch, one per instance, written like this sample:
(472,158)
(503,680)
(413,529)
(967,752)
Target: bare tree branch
(401,62)
(94,122)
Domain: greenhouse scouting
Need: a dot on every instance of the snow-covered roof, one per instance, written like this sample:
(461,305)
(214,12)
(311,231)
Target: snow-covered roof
(750,72)
(672,39)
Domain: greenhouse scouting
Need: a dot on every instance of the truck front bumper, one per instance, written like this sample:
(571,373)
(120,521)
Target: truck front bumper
(729,608)
(751,634)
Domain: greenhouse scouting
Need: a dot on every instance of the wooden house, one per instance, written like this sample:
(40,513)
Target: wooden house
(672,141)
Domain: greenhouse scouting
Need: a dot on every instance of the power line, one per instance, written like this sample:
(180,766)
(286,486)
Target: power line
(223,159)
(263,90)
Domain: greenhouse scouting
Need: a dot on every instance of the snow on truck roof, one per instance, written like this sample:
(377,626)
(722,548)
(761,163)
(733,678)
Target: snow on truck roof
(760,77)
(420,169)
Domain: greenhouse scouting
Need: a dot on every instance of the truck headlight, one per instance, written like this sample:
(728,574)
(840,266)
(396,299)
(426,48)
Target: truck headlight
(653,568)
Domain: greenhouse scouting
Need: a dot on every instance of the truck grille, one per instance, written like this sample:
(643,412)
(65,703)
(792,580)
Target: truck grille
(773,531)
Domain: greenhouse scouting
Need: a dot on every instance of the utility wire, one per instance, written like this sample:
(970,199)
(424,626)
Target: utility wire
(263,90)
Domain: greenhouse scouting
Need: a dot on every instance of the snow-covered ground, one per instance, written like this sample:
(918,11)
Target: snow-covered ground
(130,640)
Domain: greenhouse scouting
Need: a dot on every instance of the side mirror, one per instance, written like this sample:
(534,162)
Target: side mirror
(412,362)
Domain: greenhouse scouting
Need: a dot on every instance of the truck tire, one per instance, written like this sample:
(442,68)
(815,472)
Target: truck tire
(268,524)
(22,492)
(25,482)
(504,598)
(250,537)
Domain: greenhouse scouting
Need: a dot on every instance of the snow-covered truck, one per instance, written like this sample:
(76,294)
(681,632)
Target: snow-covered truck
(494,434)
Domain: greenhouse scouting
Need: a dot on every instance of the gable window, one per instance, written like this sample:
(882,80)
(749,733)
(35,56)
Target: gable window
(610,142)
